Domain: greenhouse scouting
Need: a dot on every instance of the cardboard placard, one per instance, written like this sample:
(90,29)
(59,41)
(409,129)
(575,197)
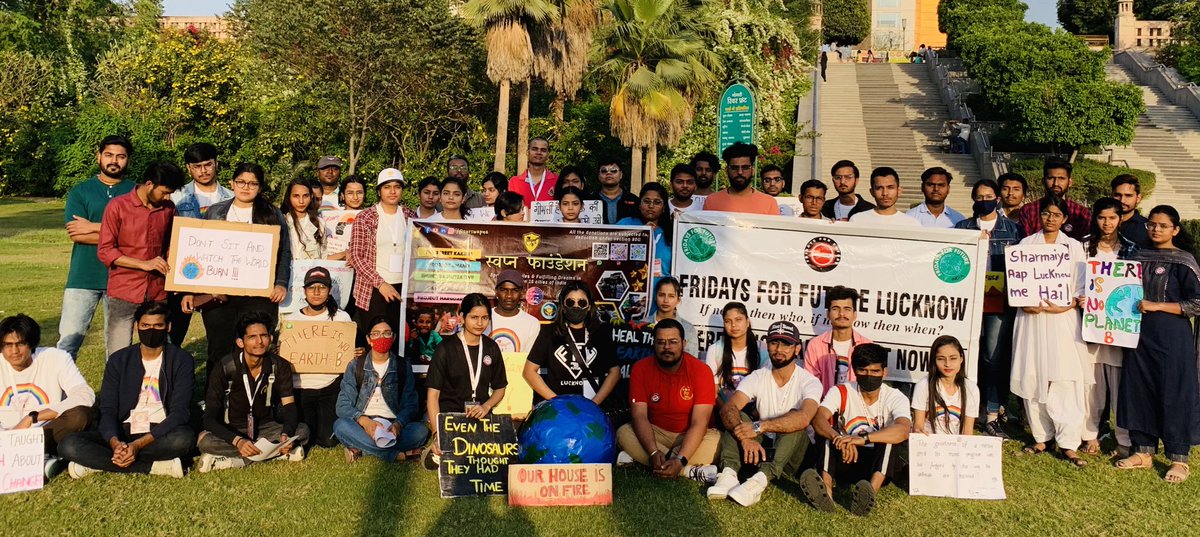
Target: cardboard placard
(317,346)
(219,257)
(1038,272)
(518,396)
(22,460)
(541,485)
(1110,314)
(475,454)
(341,274)
(955,466)
(547,212)
(338,224)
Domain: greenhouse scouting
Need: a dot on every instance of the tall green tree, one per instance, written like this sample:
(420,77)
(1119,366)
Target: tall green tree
(846,22)
(1068,112)
(1087,17)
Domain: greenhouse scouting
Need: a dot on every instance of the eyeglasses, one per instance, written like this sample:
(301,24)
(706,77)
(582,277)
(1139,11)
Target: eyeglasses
(741,167)
(377,335)
(653,202)
(773,179)
(1151,226)
(572,303)
(206,165)
(610,170)
(245,184)
(814,198)
(845,177)
(458,167)
(1053,216)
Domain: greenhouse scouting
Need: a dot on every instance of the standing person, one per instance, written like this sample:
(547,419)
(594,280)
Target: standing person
(824,60)
(683,190)
(827,356)
(1051,365)
(379,391)
(457,166)
(329,174)
(847,203)
(741,197)
(1105,242)
(536,183)
(467,372)
(192,201)
(317,393)
(652,212)
(513,329)
(570,204)
(453,189)
(576,350)
(354,193)
(706,165)
(812,199)
(134,236)
(1056,177)
(995,339)
(572,176)
(667,293)
(429,195)
(933,212)
(1128,190)
(774,185)
(87,279)
(143,407)
(944,402)
(1160,395)
(299,209)
(510,207)
(493,184)
(616,203)
(220,312)
(377,252)
(736,353)
(1012,194)
(885,188)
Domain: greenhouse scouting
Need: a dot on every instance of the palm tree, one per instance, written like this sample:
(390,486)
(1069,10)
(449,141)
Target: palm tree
(561,48)
(510,52)
(655,66)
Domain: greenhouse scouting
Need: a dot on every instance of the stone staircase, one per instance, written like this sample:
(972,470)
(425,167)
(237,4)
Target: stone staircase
(1166,142)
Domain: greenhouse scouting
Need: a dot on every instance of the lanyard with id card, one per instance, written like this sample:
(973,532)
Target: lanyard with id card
(250,396)
(474,370)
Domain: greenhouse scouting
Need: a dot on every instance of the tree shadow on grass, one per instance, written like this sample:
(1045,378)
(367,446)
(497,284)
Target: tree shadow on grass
(23,217)
(645,505)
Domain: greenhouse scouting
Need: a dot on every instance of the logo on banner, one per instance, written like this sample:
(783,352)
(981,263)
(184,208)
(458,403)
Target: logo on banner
(951,265)
(531,241)
(699,244)
(822,254)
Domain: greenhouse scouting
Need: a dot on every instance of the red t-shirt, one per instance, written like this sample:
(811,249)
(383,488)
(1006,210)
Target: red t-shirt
(671,396)
(543,192)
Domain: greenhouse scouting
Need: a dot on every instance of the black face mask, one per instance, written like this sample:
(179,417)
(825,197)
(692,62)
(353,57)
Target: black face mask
(981,208)
(868,383)
(574,315)
(152,337)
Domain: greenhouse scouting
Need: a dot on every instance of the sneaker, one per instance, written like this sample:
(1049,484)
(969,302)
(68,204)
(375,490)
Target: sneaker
(169,468)
(76,470)
(209,462)
(706,474)
(53,466)
(751,491)
(993,428)
(727,479)
(296,455)
(814,491)
(352,455)
(624,460)
(864,498)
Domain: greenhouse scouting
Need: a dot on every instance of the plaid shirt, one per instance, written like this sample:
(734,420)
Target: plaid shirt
(363,253)
(1077,226)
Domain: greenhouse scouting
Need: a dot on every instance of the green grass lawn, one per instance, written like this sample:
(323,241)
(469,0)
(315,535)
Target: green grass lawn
(325,496)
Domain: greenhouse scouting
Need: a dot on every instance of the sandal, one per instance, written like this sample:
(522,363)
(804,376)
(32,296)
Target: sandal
(1034,449)
(1135,461)
(1178,473)
(1073,458)
(1091,447)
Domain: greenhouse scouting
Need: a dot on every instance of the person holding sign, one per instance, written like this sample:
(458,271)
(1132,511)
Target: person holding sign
(512,328)
(377,245)
(143,407)
(299,208)
(787,399)
(42,388)
(735,354)
(467,372)
(248,395)
(944,402)
(652,205)
(377,410)
(828,355)
(1160,395)
(220,312)
(576,350)
(1051,365)
(861,422)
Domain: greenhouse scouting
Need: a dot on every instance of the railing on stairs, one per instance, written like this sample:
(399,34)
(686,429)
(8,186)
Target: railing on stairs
(1167,80)
(954,97)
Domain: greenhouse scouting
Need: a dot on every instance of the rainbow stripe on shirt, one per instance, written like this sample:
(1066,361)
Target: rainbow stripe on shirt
(7,397)
(150,384)
(859,423)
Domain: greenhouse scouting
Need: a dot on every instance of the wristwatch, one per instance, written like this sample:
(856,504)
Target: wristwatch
(34,416)
(757,427)
(682,460)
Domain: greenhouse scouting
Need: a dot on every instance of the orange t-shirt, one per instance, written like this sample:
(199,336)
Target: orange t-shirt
(756,203)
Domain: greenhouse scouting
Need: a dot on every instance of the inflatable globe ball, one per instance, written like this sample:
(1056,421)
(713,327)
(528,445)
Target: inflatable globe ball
(566,429)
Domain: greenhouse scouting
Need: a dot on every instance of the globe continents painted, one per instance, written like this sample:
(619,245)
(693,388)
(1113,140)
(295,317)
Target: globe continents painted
(566,429)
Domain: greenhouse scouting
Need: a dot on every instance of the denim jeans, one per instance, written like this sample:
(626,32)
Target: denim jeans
(90,450)
(412,436)
(995,359)
(118,320)
(78,309)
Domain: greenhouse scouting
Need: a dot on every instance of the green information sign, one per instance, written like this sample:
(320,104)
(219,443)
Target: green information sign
(735,117)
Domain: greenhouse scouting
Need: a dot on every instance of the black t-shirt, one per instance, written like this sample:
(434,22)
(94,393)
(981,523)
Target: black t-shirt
(239,404)
(448,372)
(565,375)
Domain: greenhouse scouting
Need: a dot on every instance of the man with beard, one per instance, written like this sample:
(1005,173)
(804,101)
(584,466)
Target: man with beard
(329,174)
(683,190)
(774,185)
(134,235)
(536,183)
(457,166)
(786,398)
(1056,176)
(847,203)
(192,201)
(87,279)
(740,197)
(828,355)
(1127,190)
(671,397)
(885,188)
(706,165)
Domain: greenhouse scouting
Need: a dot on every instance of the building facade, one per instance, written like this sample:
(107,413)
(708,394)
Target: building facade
(1135,34)
(214,25)
(904,25)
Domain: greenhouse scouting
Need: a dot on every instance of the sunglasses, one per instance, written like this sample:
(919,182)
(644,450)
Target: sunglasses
(572,303)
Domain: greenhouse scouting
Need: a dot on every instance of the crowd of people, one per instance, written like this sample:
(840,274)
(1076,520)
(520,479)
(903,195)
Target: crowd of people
(737,416)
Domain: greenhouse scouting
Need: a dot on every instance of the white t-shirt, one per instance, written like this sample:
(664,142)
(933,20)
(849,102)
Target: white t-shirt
(207,199)
(330,201)
(896,219)
(315,381)
(239,214)
(773,400)
(697,204)
(304,242)
(516,333)
(842,211)
(389,241)
(861,418)
(51,382)
(987,225)
(740,368)
(150,396)
(956,409)
(376,406)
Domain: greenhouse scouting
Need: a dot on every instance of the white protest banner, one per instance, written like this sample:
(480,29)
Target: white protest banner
(547,212)
(1110,314)
(916,283)
(338,224)
(219,257)
(1038,272)
(955,466)
(22,460)
(341,274)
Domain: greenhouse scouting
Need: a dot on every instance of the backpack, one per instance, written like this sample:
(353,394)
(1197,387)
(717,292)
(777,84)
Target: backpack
(229,366)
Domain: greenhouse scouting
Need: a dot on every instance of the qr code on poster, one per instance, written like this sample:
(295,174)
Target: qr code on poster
(600,251)
(637,252)
(618,251)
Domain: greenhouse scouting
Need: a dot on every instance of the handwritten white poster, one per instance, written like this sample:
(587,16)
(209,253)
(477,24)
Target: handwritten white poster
(1110,313)
(21,460)
(212,256)
(1037,273)
(955,466)
(338,224)
(547,212)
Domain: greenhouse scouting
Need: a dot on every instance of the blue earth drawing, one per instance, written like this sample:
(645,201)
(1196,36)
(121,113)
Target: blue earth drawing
(1122,302)
(569,429)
